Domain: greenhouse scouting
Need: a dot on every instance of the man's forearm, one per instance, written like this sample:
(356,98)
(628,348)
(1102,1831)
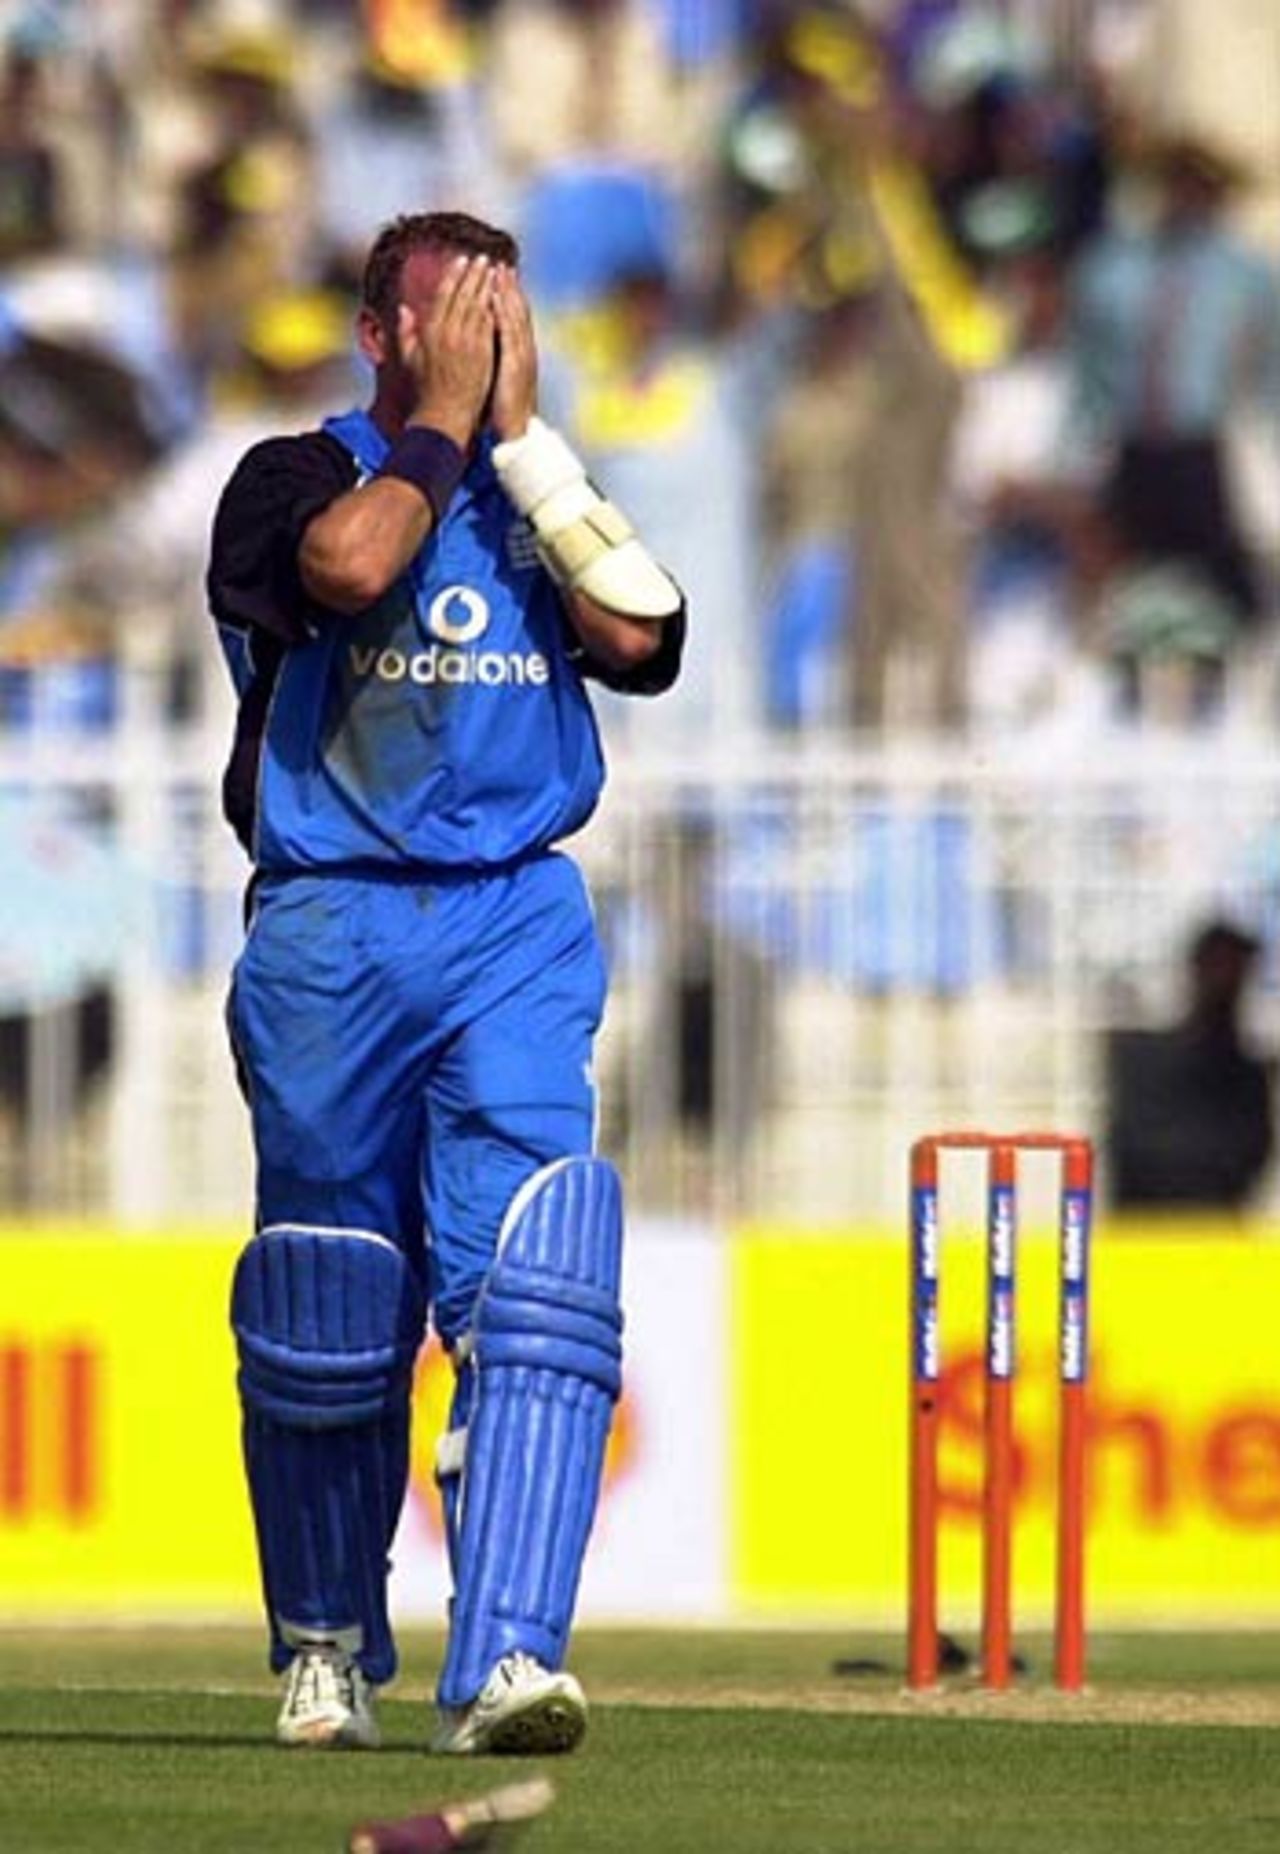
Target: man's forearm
(612,638)
(361,544)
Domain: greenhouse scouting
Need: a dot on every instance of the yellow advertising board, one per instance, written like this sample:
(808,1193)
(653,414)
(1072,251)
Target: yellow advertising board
(1184,1427)
(121,1490)
(120,1482)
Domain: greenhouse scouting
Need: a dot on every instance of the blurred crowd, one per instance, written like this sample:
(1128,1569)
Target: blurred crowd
(940,373)
(923,339)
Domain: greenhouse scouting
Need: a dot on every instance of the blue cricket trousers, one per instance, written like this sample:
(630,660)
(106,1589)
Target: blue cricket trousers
(413,1049)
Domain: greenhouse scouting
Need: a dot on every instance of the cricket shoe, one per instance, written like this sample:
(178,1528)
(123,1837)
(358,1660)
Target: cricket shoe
(522,1710)
(328,1703)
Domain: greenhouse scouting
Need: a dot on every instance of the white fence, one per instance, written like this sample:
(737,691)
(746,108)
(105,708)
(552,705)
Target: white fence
(815,955)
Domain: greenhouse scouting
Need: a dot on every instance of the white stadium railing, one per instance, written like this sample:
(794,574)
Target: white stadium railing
(816,954)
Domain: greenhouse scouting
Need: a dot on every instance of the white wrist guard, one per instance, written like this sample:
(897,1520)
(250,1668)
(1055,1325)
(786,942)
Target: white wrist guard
(586,544)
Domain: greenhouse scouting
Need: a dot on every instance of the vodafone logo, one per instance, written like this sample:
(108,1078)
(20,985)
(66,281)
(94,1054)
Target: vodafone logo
(458,615)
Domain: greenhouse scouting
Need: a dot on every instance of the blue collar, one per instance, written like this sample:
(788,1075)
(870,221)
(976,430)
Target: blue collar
(357,433)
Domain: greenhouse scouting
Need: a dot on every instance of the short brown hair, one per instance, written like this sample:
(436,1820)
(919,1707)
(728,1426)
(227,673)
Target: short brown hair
(426,231)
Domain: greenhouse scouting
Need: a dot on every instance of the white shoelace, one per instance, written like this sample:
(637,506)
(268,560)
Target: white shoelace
(322,1679)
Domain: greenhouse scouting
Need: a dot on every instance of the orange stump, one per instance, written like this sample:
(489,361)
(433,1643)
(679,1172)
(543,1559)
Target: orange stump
(1001,1370)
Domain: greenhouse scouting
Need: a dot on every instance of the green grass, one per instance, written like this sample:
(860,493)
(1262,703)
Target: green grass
(162,1745)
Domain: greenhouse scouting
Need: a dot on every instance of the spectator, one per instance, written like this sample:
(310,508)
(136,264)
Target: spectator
(394,132)
(661,413)
(1176,325)
(831,200)
(1190,1108)
(31,218)
(599,135)
(1022,516)
(586,80)
(141,567)
(247,208)
(908,649)
(815,461)
(73,434)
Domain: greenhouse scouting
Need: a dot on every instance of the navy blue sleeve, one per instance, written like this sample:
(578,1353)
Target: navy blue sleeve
(277,488)
(652,677)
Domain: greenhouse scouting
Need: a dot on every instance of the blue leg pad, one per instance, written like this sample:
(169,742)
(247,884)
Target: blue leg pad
(328,1324)
(548,1364)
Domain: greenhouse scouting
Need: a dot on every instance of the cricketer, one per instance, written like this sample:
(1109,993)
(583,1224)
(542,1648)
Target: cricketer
(411,601)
